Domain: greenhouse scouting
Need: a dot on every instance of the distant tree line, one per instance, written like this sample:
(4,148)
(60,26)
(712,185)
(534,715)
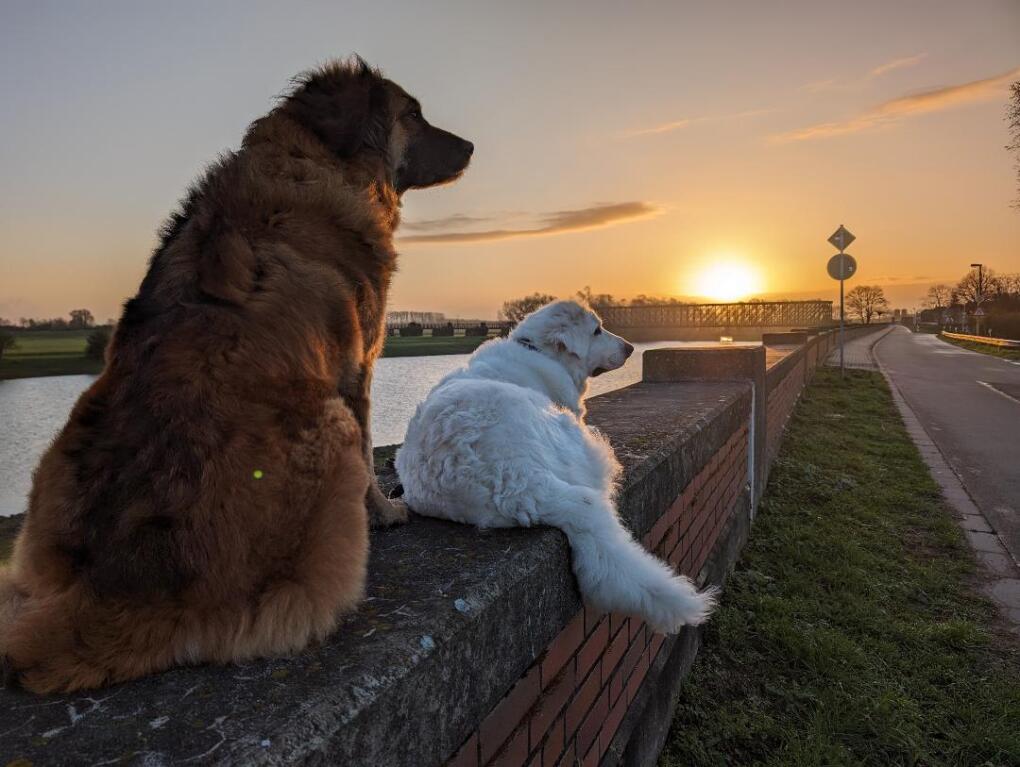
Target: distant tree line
(997,295)
(78,319)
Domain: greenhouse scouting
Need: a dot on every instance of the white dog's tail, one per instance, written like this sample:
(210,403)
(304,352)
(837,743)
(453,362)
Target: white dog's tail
(614,571)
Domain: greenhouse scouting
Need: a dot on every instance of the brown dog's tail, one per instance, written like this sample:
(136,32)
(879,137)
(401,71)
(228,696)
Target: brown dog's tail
(65,642)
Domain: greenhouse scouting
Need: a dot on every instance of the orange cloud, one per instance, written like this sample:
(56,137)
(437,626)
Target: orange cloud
(890,66)
(890,112)
(668,127)
(558,222)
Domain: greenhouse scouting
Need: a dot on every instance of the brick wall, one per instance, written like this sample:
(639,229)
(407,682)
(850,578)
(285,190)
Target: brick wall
(782,398)
(568,706)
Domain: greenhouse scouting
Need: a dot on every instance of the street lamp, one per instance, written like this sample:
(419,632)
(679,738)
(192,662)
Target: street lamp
(978,297)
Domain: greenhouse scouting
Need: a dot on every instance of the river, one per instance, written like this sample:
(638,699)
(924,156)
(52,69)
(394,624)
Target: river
(32,410)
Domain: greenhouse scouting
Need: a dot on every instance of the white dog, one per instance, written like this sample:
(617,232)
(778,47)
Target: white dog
(502,443)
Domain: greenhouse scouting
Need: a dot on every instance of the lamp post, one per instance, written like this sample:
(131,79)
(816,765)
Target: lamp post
(978,297)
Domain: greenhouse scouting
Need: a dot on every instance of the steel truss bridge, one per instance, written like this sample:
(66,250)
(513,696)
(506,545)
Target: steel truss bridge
(764,314)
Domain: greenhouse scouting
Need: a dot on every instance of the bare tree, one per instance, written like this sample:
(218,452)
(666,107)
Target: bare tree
(1013,118)
(939,296)
(1010,284)
(867,302)
(517,309)
(977,286)
(81,318)
(585,296)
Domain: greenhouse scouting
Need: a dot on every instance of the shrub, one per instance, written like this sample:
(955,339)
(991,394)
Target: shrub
(96,343)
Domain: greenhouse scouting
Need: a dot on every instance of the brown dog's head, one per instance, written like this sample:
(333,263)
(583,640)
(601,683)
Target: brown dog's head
(353,109)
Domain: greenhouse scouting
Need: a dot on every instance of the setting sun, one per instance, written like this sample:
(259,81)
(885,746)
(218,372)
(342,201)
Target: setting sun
(728,281)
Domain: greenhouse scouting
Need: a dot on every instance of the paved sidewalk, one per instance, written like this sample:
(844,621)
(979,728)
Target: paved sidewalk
(857,353)
(999,573)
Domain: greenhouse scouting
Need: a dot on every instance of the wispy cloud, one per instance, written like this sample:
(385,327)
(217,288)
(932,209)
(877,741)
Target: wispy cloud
(557,222)
(896,110)
(674,125)
(835,84)
(892,66)
(431,224)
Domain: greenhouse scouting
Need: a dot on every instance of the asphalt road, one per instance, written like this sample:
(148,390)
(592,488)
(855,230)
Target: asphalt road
(969,403)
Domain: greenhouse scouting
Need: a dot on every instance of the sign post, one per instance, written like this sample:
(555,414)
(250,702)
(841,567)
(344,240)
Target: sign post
(841,267)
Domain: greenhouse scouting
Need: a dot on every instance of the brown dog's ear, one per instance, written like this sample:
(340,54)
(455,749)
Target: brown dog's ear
(342,105)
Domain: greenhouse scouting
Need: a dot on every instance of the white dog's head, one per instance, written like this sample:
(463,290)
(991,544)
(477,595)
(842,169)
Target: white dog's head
(573,335)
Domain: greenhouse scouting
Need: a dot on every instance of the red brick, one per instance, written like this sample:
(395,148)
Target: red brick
(552,749)
(637,632)
(614,653)
(592,617)
(567,760)
(467,756)
(687,495)
(616,685)
(630,660)
(672,536)
(617,621)
(592,648)
(562,648)
(612,723)
(551,702)
(515,752)
(589,730)
(583,701)
(659,529)
(508,713)
(655,644)
(634,683)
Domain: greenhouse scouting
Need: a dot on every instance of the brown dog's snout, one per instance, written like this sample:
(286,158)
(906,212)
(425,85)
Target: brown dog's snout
(469,148)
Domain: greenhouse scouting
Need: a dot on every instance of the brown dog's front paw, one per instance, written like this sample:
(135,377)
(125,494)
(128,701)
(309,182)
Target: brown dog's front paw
(384,512)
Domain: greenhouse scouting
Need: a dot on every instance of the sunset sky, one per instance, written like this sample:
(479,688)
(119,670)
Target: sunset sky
(632,147)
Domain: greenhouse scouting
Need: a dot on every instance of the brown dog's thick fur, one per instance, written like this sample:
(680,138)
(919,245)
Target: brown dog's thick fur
(206,500)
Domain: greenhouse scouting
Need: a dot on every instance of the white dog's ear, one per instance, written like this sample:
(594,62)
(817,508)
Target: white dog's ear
(561,338)
(564,331)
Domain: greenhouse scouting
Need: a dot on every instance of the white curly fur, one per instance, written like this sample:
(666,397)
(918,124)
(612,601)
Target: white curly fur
(503,443)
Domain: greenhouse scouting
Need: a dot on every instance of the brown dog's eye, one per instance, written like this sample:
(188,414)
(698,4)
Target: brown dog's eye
(414,114)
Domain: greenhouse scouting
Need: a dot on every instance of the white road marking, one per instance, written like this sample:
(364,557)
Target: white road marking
(1011,398)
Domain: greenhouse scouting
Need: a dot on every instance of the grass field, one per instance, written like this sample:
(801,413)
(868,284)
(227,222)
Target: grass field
(48,353)
(62,352)
(995,351)
(850,632)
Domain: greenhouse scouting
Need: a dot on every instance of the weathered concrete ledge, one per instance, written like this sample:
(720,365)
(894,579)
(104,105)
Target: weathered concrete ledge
(453,617)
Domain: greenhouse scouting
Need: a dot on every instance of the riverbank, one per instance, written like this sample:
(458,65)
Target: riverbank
(1004,352)
(41,353)
(850,632)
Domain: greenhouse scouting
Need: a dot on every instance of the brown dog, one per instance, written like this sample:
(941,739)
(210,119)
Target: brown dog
(206,501)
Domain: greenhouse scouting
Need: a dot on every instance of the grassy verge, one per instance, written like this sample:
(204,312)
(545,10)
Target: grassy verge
(849,633)
(62,352)
(995,351)
(427,345)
